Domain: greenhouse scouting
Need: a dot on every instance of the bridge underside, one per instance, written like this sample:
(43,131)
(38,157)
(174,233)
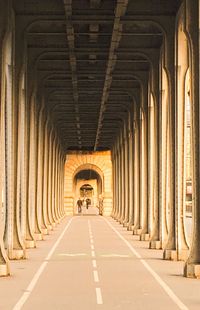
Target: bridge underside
(81,79)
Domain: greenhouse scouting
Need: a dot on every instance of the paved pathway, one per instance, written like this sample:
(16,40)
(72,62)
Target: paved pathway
(89,263)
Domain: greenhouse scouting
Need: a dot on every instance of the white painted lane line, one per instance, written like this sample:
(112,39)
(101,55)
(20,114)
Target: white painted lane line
(165,287)
(99,296)
(96,276)
(115,255)
(72,255)
(91,240)
(94,263)
(92,246)
(93,253)
(37,275)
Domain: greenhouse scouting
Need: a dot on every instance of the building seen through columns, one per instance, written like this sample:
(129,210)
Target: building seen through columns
(100,100)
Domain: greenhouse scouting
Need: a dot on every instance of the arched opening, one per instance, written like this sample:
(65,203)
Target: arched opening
(86,191)
(88,186)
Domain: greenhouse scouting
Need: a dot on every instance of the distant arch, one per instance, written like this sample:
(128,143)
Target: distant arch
(100,162)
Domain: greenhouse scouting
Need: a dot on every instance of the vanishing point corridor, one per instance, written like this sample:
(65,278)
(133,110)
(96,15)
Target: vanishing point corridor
(100,154)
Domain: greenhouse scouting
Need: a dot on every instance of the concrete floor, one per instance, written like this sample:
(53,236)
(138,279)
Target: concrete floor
(90,262)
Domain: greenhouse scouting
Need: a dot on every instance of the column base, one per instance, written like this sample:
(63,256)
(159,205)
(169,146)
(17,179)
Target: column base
(16,254)
(137,231)
(144,237)
(49,227)
(4,270)
(125,224)
(155,244)
(130,227)
(170,255)
(44,231)
(30,244)
(183,255)
(192,270)
(38,236)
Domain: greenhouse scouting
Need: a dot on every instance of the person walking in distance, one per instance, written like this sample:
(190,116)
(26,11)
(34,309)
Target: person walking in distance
(79,205)
(88,202)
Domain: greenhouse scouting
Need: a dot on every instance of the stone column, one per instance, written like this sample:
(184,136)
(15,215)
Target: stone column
(126,185)
(117,168)
(137,158)
(40,198)
(113,181)
(57,210)
(49,176)
(182,64)
(62,183)
(39,189)
(12,237)
(163,173)
(59,184)
(45,214)
(30,202)
(155,242)
(122,180)
(4,262)
(37,232)
(154,235)
(119,178)
(131,177)
(142,231)
(192,266)
(54,214)
(170,247)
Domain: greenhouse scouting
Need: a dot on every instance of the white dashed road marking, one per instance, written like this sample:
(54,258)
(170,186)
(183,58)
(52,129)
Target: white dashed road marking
(99,296)
(96,276)
(94,263)
(165,287)
(37,275)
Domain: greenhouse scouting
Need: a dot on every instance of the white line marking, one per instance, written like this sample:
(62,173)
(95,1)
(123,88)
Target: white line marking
(96,276)
(37,275)
(94,263)
(91,240)
(99,296)
(92,246)
(93,253)
(72,255)
(115,255)
(165,287)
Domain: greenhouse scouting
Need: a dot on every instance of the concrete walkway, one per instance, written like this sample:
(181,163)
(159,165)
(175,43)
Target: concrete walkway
(91,262)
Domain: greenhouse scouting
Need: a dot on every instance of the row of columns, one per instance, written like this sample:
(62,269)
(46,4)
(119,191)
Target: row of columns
(145,156)
(31,168)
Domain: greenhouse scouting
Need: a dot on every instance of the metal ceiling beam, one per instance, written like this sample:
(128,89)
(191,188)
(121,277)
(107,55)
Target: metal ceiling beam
(72,57)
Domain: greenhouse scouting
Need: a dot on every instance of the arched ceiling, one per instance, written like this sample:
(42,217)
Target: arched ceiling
(87,174)
(90,58)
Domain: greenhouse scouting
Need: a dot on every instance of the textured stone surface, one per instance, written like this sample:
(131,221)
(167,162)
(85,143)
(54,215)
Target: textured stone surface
(100,162)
